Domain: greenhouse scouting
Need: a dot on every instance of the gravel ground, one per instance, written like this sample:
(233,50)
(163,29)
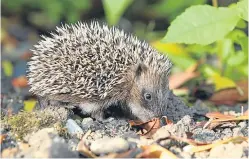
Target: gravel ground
(117,136)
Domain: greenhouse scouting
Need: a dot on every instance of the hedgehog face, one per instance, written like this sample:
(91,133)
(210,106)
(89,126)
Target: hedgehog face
(149,93)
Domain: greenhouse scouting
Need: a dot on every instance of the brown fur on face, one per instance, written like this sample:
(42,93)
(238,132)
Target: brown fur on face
(148,82)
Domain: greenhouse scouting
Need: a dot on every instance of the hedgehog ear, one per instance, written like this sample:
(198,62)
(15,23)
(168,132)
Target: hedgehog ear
(139,69)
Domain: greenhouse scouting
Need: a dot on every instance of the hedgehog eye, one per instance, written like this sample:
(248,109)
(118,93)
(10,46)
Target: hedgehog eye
(147,96)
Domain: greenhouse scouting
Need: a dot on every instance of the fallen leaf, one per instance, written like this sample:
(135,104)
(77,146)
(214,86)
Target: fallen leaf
(2,137)
(211,125)
(20,82)
(237,139)
(218,115)
(177,79)
(156,151)
(218,119)
(232,95)
(150,126)
(242,117)
(168,122)
(129,154)
(82,147)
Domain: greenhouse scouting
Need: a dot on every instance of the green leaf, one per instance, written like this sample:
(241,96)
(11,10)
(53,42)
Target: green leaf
(236,59)
(239,37)
(241,24)
(202,24)
(73,16)
(220,82)
(208,71)
(81,5)
(181,62)
(244,70)
(114,9)
(243,41)
(242,8)
(225,48)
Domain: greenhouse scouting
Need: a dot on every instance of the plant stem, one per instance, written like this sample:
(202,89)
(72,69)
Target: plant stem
(215,3)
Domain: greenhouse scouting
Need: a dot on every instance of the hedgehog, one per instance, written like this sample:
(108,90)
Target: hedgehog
(92,66)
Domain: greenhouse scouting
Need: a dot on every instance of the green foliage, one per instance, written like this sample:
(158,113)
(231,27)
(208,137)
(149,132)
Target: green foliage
(242,8)
(214,31)
(114,9)
(202,24)
(53,10)
(205,24)
(203,31)
(172,8)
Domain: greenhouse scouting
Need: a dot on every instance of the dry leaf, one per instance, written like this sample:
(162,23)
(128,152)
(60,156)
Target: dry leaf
(213,125)
(82,147)
(218,115)
(2,137)
(218,119)
(20,82)
(156,151)
(177,79)
(236,139)
(150,126)
(129,154)
(168,122)
(243,117)
(232,95)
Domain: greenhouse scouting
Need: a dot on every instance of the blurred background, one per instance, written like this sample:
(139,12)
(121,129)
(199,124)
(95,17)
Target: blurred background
(214,75)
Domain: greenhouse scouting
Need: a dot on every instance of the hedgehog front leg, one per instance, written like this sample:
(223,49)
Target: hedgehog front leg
(43,102)
(94,109)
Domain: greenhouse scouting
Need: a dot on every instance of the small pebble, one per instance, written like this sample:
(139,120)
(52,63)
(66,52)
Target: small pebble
(205,135)
(87,123)
(108,145)
(72,144)
(227,132)
(161,133)
(73,128)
